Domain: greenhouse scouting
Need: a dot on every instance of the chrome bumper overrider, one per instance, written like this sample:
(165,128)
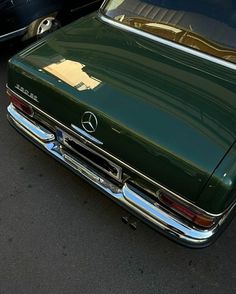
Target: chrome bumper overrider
(156,215)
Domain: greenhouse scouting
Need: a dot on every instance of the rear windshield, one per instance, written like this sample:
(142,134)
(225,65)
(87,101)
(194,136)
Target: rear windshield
(208,26)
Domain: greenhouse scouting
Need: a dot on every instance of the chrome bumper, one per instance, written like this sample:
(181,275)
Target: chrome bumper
(156,215)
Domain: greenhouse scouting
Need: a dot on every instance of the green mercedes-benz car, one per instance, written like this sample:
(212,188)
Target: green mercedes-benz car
(140,100)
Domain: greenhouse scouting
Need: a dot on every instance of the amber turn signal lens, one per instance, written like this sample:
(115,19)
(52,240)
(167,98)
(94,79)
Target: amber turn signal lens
(186,211)
(203,221)
(22,106)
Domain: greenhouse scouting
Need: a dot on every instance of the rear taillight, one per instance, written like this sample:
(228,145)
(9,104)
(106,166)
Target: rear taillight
(19,104)
(186,211)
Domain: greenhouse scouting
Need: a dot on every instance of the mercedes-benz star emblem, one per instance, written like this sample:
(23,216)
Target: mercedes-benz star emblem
(89,122)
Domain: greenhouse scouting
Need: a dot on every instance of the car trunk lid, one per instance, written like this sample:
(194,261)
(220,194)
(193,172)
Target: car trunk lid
(165,114)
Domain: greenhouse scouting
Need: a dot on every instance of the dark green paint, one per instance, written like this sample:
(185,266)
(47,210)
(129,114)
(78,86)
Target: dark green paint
(174,112)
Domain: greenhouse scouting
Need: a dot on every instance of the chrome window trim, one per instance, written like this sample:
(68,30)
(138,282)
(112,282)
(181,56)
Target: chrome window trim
(12,33)
(160,186)
(160,40)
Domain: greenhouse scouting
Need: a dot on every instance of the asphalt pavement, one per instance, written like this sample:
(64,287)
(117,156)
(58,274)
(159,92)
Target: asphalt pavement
(60,235)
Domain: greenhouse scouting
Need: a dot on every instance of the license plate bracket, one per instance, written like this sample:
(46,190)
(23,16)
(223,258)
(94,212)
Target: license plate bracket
(94,158)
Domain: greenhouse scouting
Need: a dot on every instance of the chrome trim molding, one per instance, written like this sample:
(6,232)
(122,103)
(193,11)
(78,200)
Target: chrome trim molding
(165,42)
(8,35)
(121,163)
(156,215)
(86,135)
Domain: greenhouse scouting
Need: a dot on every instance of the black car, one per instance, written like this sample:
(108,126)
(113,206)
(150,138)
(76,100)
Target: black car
(31,18)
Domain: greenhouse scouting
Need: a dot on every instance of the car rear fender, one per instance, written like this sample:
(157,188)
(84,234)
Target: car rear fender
(220,192)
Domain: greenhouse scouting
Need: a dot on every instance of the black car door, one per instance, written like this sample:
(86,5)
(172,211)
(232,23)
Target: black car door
(76,5)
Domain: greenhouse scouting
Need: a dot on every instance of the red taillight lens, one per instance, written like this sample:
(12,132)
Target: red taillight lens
(190,214)
(27,109)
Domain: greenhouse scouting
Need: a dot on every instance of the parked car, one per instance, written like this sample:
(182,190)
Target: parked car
(140,100)
(34,18)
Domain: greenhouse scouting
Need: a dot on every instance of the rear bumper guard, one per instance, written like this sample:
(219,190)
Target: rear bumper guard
(159,217)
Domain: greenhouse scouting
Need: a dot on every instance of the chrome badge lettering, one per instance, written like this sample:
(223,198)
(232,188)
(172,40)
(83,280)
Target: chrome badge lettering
(26,92)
